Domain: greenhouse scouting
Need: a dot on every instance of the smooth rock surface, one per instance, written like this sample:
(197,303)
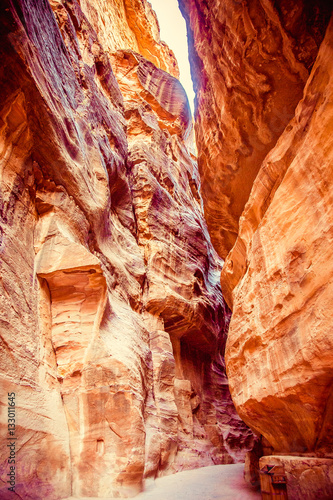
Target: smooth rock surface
(264,132)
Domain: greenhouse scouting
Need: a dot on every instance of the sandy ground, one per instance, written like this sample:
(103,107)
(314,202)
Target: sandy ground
(208,483)
(220,482)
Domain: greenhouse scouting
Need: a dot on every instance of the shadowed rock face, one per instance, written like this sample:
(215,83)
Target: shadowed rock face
(269,145)
(113,325)
(249,62)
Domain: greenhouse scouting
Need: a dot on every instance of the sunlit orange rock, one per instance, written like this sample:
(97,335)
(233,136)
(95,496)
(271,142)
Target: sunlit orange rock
(280,269)
(129,25)
(264,128)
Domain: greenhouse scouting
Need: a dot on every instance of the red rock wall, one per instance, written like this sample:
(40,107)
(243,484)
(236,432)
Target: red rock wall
(249,62)
(264,132)
(283,296)
(113,324)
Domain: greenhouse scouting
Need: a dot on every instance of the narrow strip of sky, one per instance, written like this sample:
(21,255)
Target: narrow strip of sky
(173,32)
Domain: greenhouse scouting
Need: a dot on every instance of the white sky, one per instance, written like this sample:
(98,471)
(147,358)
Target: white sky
(173,32)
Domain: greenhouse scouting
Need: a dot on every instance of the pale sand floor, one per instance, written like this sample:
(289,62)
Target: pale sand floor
(219,482)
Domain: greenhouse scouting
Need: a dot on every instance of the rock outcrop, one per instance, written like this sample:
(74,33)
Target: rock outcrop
(264,133)
(113,325)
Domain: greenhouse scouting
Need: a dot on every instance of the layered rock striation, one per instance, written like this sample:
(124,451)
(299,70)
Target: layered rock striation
(113,325)
(285,304)
(264,132)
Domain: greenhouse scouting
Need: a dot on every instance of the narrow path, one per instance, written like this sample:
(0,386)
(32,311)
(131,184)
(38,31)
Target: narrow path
(219,482)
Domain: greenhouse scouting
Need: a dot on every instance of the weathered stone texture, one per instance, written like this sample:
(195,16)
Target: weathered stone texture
(250,62)
(264,133)
(275,277)
(113,321)
(280,266)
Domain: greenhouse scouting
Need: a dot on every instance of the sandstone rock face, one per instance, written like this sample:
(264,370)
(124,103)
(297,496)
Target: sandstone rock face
(250,62)
(281,264)
(278,275)
(113,325)
(129,24)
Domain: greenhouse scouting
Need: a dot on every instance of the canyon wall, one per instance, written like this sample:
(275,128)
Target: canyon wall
(249,63)
(113,325)
(264,122)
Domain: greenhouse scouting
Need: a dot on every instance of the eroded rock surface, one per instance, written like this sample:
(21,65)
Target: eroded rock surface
(281,265)
(264,133)
(250,62)
(113,321)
